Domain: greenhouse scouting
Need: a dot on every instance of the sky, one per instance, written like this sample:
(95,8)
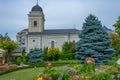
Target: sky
(59,14)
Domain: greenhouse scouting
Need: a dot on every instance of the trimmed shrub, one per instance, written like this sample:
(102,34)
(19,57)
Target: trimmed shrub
(18,60)
(13,69)
(68,56)
(53,54)
(102,76)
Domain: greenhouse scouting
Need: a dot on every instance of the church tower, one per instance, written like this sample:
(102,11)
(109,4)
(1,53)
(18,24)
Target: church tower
(36,19)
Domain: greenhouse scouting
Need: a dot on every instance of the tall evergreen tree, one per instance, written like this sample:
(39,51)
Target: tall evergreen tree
(36,55)
(94,42)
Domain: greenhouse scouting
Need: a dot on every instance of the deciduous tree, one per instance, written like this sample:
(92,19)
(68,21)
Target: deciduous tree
(9,46)
(115,44)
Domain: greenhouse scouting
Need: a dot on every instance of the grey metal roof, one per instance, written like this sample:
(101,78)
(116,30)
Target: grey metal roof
(36,8)
(56,31)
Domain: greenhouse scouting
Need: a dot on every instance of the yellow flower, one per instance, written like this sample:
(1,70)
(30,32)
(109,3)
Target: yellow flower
(40,78)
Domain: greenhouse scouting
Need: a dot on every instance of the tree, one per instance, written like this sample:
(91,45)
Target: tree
(35,55)
(9,46)
(94,42)
(45,53)
(116,39)
(115,44)
(117,26)
(68,47)
(24,55)
(5,37)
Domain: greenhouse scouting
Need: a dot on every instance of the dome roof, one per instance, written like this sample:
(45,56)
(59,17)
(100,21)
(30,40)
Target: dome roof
(36,8)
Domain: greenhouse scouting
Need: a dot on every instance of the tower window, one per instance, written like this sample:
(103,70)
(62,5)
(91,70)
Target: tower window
(33,40)
(52,44)
(35,23)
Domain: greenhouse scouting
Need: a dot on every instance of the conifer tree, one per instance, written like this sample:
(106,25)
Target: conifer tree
(36,55)
(94,42)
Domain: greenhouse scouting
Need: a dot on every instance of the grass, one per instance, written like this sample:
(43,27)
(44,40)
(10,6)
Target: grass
(31,73)
(25,74)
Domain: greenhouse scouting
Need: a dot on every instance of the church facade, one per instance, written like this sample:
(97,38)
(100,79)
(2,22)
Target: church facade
(35,36)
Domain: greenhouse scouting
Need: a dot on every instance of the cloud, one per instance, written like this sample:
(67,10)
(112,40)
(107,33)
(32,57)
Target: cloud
(58,13)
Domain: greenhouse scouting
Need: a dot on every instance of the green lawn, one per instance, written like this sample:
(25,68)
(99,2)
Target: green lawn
(30,73)
(25,74)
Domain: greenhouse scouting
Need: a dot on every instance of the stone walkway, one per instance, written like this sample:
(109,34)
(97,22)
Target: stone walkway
(118,61)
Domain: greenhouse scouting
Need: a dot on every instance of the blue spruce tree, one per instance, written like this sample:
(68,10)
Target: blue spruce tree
(36,55)
(94,42)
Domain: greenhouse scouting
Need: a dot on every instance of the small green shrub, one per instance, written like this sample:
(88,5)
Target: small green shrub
(87,69)
(45,53)
(12,70)
(102,76)
(68,56)
(53,54)
(66,76)
(54,74)
(112,63)
(68,47)
(36,64)
(18,60)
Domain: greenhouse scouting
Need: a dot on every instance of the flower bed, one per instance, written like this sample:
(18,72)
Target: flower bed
(5,67)
(80,72)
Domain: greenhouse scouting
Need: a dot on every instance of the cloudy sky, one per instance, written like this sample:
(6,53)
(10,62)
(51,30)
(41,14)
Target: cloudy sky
(59,14)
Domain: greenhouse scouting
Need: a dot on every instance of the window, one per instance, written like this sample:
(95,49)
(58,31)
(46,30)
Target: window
(35,23)
(23,43)
(52,44)
(33,40)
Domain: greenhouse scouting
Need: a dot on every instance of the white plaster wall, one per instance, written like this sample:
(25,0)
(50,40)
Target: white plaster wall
(42,41)
(74,37)
(59,40)
(31,44)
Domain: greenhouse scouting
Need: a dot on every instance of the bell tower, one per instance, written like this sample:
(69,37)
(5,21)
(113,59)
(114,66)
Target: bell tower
(36,19)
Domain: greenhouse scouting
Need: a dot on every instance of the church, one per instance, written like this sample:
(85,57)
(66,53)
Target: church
(35,36)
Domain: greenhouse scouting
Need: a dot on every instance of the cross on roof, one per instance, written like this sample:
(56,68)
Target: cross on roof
(37,1)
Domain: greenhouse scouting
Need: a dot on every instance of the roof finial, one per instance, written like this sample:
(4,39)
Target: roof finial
(37,2)
(74,26)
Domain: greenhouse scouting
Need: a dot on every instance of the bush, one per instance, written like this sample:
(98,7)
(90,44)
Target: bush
(112,63)
(18,60)
(68,47)
(102,76)
(68,56)
(53,54)
(45,53)
(36,64)
(87,69)
(36,56)
(7,67)
(13,69)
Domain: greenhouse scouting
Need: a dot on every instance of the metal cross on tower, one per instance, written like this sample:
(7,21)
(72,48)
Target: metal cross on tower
(37,1)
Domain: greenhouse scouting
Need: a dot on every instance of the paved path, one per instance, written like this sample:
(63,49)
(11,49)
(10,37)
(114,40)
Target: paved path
(118,61)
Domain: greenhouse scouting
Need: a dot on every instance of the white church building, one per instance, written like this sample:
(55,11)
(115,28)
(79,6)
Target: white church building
(35,36)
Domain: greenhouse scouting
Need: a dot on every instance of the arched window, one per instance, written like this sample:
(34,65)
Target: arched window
(35,23)
(52,44)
